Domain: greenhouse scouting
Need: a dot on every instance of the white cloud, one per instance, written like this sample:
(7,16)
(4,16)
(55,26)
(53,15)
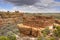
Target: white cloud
(13,9)
(40,6)
(1,9)
(34,9)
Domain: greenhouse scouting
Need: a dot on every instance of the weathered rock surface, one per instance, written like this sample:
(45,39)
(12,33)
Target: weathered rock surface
(38,21)
(30,31)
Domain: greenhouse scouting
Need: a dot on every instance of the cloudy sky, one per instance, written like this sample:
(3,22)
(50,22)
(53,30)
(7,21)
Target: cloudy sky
(30,5)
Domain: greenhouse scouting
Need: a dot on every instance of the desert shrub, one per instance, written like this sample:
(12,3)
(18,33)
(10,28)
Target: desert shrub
(56,32)
(51,38)
(8,37)
(54,36)
(12,37)
(41,38)
(4,38)
(45,32)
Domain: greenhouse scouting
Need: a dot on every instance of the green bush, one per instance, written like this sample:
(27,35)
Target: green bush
(8,37)
(57,32)
(45,32)
(13,37)
(4,38)
(51,38)
(58,28)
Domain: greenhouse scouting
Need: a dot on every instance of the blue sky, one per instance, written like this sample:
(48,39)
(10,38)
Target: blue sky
(30,5)
(4,5)
(57,0)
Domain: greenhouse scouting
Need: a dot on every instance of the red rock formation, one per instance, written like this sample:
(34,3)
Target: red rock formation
(57,21)
(38,21)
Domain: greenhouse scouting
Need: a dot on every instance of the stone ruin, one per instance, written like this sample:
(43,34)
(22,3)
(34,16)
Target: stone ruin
(33,24)
(10,19)
(38,21)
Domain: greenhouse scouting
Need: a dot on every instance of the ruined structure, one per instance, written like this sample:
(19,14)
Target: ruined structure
(33,24)
(38,21)
(10,18)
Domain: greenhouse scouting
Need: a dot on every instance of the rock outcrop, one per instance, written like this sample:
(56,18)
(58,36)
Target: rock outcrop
(32,25)
(38,21)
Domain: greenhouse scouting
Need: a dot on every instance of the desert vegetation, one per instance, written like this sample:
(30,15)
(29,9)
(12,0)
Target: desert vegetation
(38,24)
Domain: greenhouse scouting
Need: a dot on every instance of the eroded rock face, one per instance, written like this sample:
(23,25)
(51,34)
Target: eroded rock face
(57,21)
(32,25)
(29,31)
(38,21)
(10,19)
